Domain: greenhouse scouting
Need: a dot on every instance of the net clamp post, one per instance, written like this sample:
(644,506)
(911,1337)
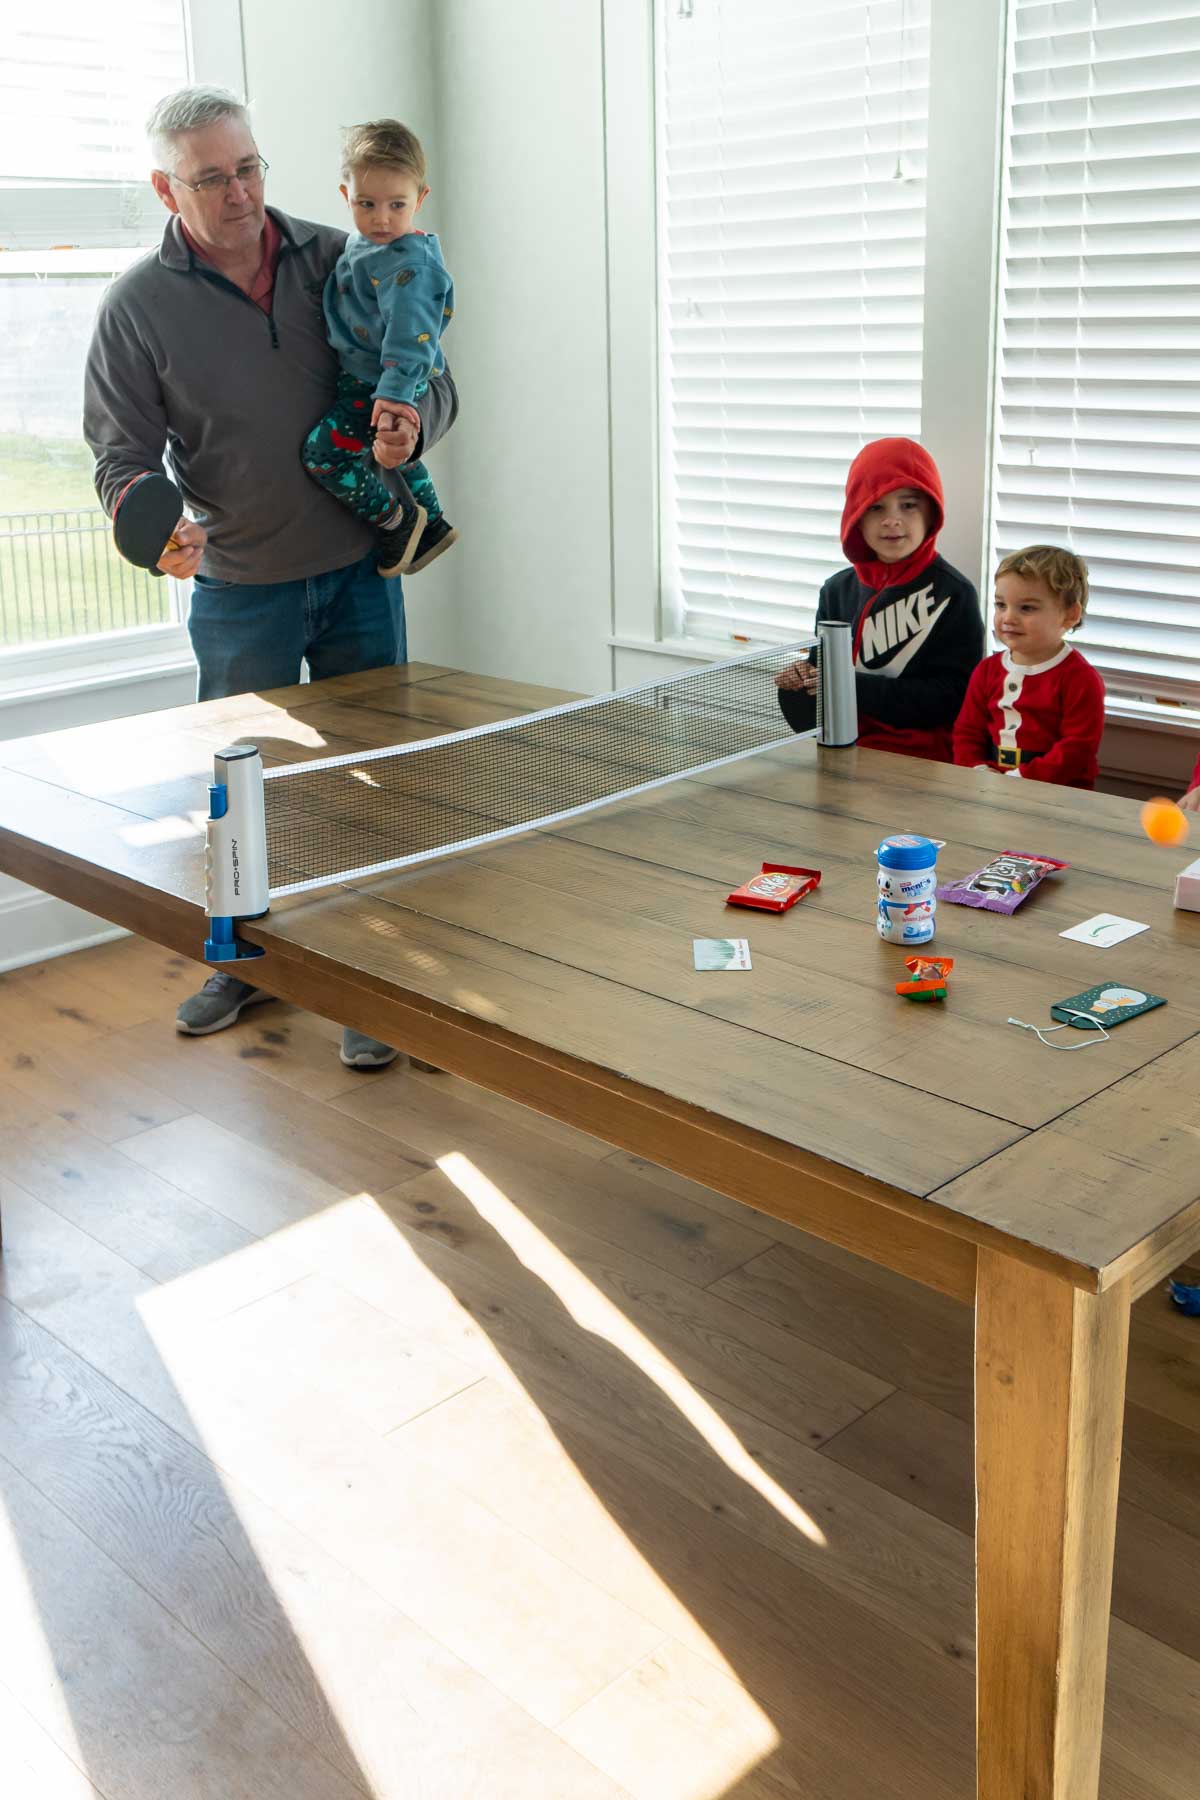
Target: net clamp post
(235,855)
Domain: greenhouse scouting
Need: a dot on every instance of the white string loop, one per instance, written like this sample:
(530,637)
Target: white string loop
(1043,1032)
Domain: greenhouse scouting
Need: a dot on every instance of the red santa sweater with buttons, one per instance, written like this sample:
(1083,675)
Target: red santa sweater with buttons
(1052,713)
(1195,781)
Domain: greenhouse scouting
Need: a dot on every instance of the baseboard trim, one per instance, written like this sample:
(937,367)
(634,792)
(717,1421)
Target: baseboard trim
(35,927)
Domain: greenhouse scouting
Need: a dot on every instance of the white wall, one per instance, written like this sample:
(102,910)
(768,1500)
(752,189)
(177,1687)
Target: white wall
(508,102)
(311,69)
(522,164)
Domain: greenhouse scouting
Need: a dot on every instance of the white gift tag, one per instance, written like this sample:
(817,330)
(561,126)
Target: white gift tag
(721,953)
(1104,930)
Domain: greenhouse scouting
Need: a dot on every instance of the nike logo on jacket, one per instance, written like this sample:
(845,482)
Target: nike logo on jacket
(902,627)
(931,636)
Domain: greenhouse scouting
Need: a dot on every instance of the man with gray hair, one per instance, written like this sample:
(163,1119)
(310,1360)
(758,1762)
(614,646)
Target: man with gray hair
(213,349)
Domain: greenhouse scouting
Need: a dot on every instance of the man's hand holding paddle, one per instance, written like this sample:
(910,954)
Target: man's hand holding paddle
(152,531)
(183,561)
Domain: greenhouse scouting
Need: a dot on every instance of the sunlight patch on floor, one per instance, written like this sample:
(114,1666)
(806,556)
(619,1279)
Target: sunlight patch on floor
(29,1668)
(594,1312)
(258,1344)
(673,1728)
(307,1393)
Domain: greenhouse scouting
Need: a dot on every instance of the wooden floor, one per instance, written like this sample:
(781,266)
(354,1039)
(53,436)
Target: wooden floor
(365,1434)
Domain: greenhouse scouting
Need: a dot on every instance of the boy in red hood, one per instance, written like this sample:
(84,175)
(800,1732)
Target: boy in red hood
(918,630)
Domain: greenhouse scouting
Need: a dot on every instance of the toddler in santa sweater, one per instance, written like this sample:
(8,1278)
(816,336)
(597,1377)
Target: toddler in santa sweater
(1191,800)
(1036,708)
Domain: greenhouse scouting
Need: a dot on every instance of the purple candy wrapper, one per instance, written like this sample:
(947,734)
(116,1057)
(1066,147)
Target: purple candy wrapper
(1002,884)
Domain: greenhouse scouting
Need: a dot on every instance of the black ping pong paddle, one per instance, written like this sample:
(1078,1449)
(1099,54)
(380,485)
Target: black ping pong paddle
(147,511)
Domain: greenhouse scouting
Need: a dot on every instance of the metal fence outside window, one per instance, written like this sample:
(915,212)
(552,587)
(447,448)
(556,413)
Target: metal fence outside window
(61,577)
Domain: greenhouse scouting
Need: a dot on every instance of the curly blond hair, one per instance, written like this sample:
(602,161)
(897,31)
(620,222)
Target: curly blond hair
(1064,573)
(382,144)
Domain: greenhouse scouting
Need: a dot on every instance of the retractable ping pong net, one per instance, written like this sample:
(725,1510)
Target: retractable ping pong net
(315,824)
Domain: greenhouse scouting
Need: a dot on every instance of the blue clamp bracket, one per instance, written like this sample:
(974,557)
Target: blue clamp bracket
(223,946)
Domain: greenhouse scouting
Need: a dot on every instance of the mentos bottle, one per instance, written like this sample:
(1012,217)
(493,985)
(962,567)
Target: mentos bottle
(907,881)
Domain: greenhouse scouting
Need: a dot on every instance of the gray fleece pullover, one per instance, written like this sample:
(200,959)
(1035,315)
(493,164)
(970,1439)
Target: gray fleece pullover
(181,359)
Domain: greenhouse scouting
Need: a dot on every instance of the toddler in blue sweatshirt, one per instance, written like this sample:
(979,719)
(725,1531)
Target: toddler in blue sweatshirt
(387,303)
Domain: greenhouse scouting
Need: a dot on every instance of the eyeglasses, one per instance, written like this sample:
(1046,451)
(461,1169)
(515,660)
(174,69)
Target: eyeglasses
(250,174)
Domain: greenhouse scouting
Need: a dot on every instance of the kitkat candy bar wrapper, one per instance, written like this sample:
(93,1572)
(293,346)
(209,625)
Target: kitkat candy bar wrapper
(776,887)
(1002,884)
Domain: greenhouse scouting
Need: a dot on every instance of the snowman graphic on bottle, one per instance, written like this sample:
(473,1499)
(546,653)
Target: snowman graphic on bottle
(906,883)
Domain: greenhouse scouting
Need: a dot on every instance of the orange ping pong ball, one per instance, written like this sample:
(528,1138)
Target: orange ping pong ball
(1163,822)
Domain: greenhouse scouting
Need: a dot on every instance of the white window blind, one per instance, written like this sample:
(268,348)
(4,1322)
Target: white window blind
(791,175)
(77,80)
(1098,386)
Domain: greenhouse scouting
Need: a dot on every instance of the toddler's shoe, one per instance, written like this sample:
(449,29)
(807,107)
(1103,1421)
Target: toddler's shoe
(395,544)
(437,536)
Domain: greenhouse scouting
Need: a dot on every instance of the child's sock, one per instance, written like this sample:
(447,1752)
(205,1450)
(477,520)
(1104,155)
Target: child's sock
(421,487)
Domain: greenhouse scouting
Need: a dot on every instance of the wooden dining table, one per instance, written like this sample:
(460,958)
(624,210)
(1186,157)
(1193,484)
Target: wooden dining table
(1045,1190)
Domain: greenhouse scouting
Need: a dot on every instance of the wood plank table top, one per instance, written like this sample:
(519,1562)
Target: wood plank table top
(573,944)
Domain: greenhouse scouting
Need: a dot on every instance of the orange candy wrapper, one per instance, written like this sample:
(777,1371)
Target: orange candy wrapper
(927,977)
(776,887)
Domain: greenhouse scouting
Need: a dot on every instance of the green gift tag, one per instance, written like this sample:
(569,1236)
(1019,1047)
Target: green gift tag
(1108,1003)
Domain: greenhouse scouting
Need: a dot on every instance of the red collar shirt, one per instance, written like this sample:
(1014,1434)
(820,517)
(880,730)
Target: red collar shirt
(262,288)
(1042,723)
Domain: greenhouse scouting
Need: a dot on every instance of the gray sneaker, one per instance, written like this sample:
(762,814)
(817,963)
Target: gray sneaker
(217,1004)
(361,1052)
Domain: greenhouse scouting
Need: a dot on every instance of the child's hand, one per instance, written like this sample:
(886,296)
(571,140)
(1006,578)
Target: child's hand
(397,428)
(1191,800)
(800,678)
(388,414)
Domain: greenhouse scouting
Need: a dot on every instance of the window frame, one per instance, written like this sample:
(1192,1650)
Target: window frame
(213,33)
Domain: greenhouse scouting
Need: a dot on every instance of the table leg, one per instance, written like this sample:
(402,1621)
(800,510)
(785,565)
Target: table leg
(1049,1400)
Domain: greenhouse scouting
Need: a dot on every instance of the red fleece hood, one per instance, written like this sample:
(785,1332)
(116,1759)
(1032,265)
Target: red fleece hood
(877,469)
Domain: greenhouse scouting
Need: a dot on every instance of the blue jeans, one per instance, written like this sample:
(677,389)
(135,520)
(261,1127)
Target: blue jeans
(248,636)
